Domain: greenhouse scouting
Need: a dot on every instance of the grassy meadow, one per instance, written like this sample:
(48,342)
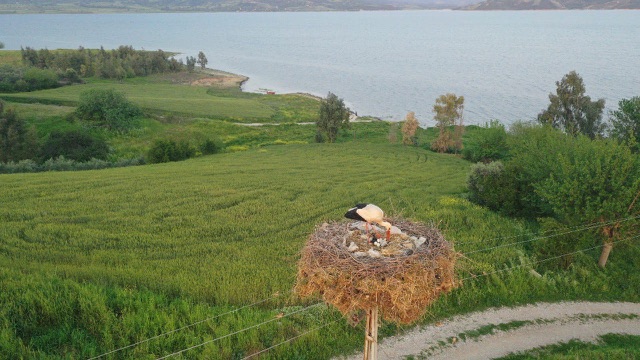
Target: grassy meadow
(93,261)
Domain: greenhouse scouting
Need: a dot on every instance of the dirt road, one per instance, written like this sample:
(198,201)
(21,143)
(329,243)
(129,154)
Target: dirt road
(529,327)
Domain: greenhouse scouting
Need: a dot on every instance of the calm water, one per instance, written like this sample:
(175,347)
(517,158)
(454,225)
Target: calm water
(382,63)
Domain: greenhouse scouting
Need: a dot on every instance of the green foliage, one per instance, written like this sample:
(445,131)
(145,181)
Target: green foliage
(610,346)
(572,111)
(202,60)
(333,116)
(15,78)
(17,140)
(448,111)
(491,145)
(168,150)
(108,108)
(62,164)
(211,146)
(120,63)
(76,145)
(625,122)
(490,186)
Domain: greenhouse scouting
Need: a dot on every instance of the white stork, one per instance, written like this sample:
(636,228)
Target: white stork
(369,213)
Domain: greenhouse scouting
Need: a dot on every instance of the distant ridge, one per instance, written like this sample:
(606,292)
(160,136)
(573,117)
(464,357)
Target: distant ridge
(102,6)
(554,5)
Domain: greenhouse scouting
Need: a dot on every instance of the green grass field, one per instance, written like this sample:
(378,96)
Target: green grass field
(140,246)
(163,97)
(93,261)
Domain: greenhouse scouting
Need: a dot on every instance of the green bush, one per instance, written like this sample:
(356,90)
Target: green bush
(74,145)
(210,146)
(168,150)
(488,186)
(490,146)
(108,108)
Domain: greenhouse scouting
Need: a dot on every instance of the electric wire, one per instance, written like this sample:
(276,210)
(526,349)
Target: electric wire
(239,331)
(575,228)
(290,339)
(184,327)
(582,228)
(547,259)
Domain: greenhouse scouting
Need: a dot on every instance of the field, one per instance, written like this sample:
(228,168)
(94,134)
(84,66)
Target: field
(134,248)
(96,261)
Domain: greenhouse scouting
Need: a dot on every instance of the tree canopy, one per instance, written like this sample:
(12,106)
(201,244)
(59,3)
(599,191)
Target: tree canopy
(107,108)
(573,112)
(333,116)
(625,122)
(448,111)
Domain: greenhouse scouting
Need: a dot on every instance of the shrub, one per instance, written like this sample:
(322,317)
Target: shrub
(489,186)
(168,150)
(210,146)
(17,140)
(108,108)
(491,146)
(74,145)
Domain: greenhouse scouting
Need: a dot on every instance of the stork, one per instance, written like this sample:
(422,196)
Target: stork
(369,213)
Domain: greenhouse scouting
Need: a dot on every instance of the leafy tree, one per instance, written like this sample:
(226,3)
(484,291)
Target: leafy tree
(595,182)
(625,122)
(448,111)
(490,146)
(74,145)
(108,108)
(572,111)
(191,63)
(1,45)
(333,116)
(17,141)
(409,129)
(202,60)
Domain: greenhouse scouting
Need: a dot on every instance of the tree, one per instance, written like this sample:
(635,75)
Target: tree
(108,108)
(409,129)
(595,182)
(202,60)
(625,122)
(191,63)
(17,141)
(1,45)
(448,111)
(571,111)
(74,145)
(333,116)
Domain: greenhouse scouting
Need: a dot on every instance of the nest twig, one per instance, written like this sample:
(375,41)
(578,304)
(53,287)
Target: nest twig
(401,286)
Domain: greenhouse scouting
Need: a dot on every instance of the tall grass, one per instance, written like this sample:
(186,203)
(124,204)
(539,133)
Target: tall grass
(96,260)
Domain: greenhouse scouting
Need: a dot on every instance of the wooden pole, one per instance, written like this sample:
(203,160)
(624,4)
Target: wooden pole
(371,335)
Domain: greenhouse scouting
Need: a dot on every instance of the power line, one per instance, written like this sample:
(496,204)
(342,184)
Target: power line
(185,327)
(239,331)
(290,339)
(560,232)
(547,259)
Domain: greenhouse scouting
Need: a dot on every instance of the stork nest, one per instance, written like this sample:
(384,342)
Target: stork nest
(402,284)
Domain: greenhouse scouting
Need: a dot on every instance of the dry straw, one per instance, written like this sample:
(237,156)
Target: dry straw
(400,286)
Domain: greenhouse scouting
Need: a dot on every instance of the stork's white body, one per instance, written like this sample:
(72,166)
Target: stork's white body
(369,213)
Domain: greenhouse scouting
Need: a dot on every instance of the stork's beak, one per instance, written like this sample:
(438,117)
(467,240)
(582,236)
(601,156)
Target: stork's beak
(388,234)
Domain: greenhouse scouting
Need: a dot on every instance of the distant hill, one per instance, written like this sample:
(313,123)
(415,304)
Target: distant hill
(91,6)
(553,4)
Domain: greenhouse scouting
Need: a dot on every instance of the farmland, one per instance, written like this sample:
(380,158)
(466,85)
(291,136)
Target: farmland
(94,261)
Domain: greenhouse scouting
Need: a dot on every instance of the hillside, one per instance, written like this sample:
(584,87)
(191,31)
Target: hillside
(97,6)
(554,5)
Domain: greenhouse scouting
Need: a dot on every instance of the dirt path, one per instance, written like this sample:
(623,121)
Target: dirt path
(544,324)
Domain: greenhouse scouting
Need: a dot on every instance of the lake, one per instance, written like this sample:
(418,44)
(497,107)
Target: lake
(382,63)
